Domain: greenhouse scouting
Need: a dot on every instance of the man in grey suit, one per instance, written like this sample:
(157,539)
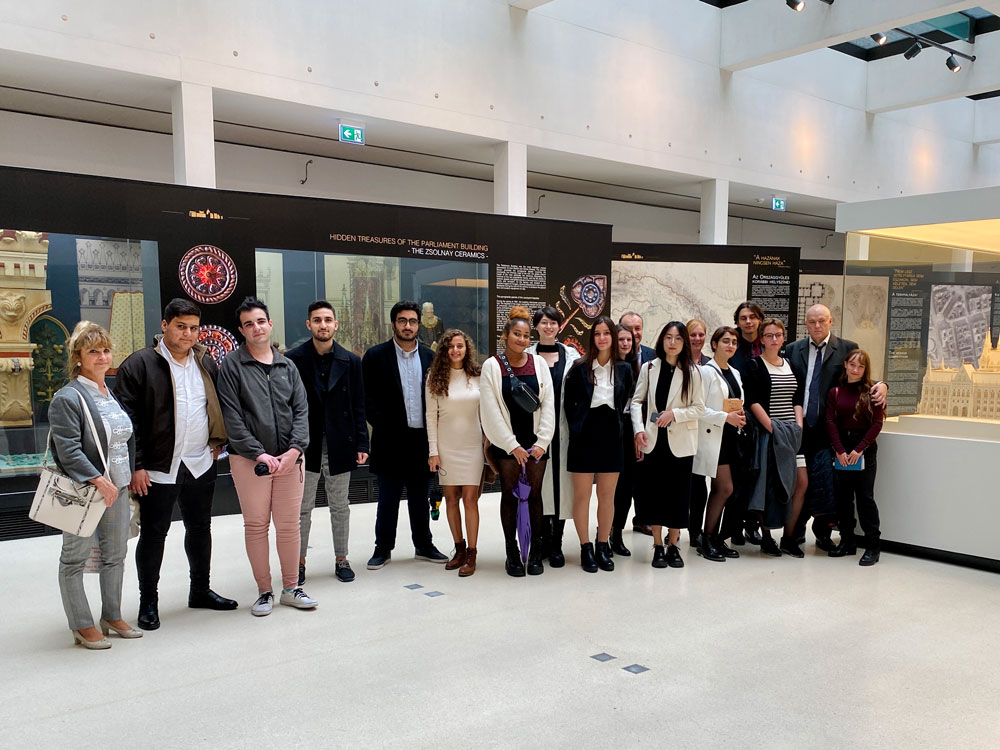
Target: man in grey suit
(818,362)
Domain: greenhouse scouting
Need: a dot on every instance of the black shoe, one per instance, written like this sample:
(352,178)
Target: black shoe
(556,557)
(430,554)
(587,560)
(725,551)
(738,539)
(659,556)
(769,547)
(343,571)
(694,538)
(754,536)
(149,616)
(603,555)
(844,549)
(869,558)
(789,547)
(825,543)
(535,567)
(302,574)
(706,548)
(514,565)
(641,528)
(210,600)
(617,545)
(379,559)
(674,559)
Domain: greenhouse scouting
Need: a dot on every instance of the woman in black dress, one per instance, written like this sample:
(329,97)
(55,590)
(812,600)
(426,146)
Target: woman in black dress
(670,389)
(557,489)
(625,489)
(519,435)
(598,390)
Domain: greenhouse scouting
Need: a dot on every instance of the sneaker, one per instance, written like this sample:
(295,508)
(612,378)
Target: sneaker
(344,572)
(379,559)
(430,554)
(263,605)
(302,574)
(297,598)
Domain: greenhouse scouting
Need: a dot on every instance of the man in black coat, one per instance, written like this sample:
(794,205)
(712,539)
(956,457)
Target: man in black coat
(168,391)
(338,433)
(394,375)
(827,351)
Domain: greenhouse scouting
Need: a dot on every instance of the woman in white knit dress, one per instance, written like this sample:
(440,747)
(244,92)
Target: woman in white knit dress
(455,439)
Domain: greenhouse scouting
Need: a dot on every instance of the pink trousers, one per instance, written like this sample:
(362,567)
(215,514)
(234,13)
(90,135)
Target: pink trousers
(264,498)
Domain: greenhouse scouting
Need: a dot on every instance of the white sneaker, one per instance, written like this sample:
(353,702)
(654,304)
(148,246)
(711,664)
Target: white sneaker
(297,598)
(263,605)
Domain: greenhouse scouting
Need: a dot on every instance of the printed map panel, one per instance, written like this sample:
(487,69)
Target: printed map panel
(662,292)
(866,301)
(960,317)
(820,289)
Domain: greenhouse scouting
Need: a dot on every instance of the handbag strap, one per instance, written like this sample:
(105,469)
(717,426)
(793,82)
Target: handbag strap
(93,432)
(503,358)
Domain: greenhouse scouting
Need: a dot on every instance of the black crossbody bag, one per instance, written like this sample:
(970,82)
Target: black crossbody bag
(523,396)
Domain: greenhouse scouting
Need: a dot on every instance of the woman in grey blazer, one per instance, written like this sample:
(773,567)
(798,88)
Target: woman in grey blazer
(76,453)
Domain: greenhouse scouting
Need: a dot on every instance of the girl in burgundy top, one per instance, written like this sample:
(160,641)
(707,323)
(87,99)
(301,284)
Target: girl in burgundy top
(853,423)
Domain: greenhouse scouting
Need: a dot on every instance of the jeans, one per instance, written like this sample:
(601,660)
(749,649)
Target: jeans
(337,487)
(111,536)
(264,498)
(390,490)
(194,495)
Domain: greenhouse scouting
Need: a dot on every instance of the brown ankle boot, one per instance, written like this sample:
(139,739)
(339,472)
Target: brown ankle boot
(459,558)
(470,563)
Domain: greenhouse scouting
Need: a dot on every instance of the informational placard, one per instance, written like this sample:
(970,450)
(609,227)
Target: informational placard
(906,341)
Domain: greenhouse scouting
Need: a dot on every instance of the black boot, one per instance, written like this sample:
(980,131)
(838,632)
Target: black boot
(556,558)
(535,557)
(723,548)
(707,549)
(617,545)
(659,556)
(514,566)
(604,561)
(587,561)
(848,546)
(753,535)
(149,616)
(870,557)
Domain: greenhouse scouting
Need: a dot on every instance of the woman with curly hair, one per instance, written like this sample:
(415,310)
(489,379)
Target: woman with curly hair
(455,438)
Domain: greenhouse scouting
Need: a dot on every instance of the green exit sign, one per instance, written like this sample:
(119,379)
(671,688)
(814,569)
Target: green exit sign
(777,204)
(352,134)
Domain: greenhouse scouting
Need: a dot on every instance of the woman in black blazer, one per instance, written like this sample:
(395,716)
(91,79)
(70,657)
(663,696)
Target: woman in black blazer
(598,391)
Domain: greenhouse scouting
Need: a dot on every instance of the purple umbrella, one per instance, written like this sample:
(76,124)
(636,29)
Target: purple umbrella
(521,491)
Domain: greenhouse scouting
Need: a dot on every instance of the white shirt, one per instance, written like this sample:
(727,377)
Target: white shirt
(190,420)
(813,346)
(604,389)
(411,377)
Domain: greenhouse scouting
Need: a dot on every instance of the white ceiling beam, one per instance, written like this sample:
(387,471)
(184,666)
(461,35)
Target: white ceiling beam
(527,4)
(986,129)
(763,31)
(897,83)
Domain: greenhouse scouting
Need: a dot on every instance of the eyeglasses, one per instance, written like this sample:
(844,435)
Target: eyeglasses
(773,336)
(404,322)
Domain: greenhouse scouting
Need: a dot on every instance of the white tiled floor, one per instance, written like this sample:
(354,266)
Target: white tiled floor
(756,652)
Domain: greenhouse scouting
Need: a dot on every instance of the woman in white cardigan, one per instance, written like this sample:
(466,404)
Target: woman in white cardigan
(519,435)
(670,389)
(557,486)
(717,444)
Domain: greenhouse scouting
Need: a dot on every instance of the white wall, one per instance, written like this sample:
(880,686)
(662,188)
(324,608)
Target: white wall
(597,71)
(61,145)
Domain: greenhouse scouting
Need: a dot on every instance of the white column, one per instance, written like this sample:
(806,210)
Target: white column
(714,212)
(510,179)
(194,135)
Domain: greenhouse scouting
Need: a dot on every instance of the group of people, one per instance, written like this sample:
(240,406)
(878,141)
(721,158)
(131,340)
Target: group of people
(758,436)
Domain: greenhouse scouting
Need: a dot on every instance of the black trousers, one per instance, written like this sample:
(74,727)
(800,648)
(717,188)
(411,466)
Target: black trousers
(852,487)
(156,508)
(390,491)
(625,489)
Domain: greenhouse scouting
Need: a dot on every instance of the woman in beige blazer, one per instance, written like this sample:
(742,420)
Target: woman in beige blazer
(670,391)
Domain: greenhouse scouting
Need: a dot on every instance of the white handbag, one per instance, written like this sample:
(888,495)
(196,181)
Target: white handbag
(64,504)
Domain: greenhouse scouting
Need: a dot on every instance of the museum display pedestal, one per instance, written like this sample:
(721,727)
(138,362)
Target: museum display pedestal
(936,489)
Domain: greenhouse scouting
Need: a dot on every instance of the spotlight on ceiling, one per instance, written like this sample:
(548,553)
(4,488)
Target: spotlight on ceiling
(913,51)
(828,2)
(880,39)
(796,4)
(953,64)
